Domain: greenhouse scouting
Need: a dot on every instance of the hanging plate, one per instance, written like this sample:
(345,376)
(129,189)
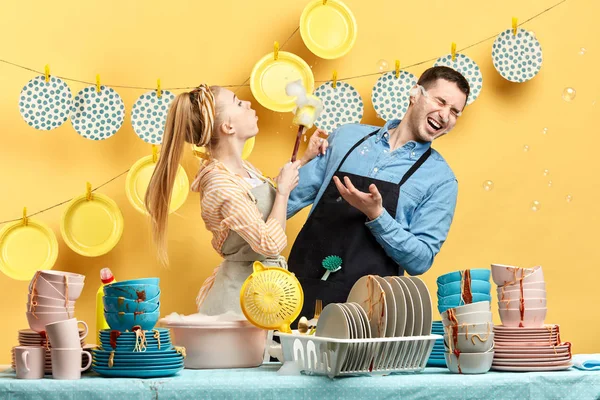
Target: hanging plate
(270,77)
(138,179)
(92,227)
(328,28)
(25,249)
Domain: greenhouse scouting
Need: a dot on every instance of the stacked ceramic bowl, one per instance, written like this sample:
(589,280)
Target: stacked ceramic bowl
(138,354)
(132,303)
(437,358)
(51,297)
(469,338)
(463,287)
(521,295)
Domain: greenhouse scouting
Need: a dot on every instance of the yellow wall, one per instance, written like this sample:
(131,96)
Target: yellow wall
(186,43)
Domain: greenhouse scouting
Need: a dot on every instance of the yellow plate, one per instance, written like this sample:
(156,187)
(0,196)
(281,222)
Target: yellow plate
(328,30)
(269,78)
(138,179)
(247,150)
(25,249)
(92,228)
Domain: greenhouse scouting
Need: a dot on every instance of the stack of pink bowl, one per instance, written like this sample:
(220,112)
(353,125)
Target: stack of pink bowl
(51,297)
(523,342)
(521,295)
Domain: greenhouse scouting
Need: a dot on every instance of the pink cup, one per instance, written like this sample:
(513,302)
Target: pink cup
(65,334)
(30,362)
(66,363)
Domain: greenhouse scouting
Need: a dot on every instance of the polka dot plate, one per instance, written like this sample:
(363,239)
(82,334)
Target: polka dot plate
(518,58)
(468,68)
(45,105)
(390,96)
(342,105)
(149,115)
(97,115)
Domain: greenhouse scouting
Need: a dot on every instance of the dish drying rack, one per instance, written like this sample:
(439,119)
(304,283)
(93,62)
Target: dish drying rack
(345,357)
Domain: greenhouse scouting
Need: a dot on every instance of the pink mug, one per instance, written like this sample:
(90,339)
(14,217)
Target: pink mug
(66,363)
(30,362)
(65,334)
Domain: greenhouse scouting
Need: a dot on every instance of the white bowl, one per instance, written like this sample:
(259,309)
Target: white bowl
(39,321)
(480,306)
(471,343)
(516,304)
(59,276)
(57,290)
(526,286)
(469,318)
(45,309)
(479,329)
(470,363)
(516,294)
(235,344)
(507,274)
(532,317)
(49,301)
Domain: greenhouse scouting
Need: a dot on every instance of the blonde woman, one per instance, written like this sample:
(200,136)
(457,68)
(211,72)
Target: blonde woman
(245,213)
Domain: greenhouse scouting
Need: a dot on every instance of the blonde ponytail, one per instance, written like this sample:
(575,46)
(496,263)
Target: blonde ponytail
(191,119)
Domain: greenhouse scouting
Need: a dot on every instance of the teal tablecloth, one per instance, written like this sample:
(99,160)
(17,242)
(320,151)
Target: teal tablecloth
(265,383)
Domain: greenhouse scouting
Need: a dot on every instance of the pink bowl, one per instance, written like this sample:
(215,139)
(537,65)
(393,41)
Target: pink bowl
(59,276)
(526,286)
(49,301)
(45,309)
(532,317)
(509,274)
(516,294)
(57,290)
(39,324)
(515,304)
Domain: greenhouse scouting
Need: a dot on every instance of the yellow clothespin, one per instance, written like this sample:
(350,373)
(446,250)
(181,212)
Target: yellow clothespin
(397,68)
(334,79)
(276,51)
(154,153)
(88,191)
(158,91)
(514,25)
(324,2)
(453,51)
(25,219)
(47,72)
(98,83)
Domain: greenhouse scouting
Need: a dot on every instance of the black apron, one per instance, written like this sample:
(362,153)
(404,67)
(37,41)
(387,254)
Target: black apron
(337,228)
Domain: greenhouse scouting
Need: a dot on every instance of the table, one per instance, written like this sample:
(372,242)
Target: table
(265,383)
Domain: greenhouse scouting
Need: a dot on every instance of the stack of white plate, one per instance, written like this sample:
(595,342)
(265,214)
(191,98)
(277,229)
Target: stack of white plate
(378,308)
(530,349)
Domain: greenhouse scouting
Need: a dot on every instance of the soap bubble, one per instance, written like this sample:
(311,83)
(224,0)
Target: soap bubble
(569,94)
(382,65)
(535,206)
(525,148)
(545,131)
(488,185)
(549,183)
(569,198)
(546,172)
(582,51)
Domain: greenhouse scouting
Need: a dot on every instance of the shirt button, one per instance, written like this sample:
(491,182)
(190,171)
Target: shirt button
(412,154)
(375,170)
(385,151)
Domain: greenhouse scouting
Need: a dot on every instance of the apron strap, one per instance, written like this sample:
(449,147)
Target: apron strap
(415,166)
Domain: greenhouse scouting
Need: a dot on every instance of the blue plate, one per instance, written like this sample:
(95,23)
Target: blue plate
(159,353)
(139,365)
(150,359)
(451,288)
(479,274)
(436,363)
(157,373)
(162,331)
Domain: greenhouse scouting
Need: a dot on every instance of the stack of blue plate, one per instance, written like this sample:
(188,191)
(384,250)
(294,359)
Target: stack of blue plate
(450,288)
(436,359)
(135,356)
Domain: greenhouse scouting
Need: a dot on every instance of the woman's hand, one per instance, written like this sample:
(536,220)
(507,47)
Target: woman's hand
(288,177)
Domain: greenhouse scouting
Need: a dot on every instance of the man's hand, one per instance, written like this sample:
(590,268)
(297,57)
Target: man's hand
(370,204)
(317,146)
